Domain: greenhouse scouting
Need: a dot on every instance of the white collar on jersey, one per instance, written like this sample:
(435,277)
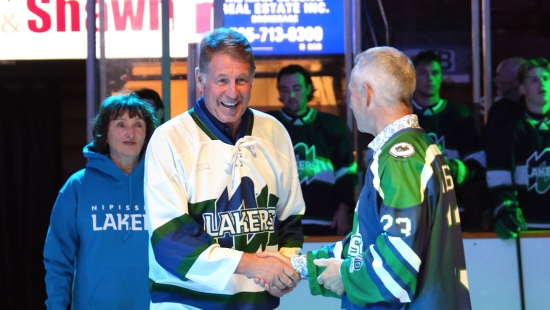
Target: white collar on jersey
(407,121)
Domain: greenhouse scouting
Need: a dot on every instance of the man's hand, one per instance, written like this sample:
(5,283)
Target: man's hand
(341,221)
(510,222)
(274,290)
(330,278)
(273,271)
(275,254)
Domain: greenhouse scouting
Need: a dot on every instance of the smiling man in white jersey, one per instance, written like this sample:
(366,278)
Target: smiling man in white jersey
(220,185)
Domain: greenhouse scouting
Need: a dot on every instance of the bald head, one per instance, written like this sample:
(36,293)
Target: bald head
(505,80)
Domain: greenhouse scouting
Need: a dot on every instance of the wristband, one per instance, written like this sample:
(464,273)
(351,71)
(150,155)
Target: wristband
(299,264)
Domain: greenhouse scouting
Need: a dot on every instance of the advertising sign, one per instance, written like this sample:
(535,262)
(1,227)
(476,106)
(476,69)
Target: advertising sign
(56,29)
(288,27)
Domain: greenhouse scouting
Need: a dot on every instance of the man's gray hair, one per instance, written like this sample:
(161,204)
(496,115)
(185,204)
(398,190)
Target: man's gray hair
(389,72)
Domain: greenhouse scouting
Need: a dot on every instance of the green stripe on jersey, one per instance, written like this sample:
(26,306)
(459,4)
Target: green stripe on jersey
(169,227)
(351,169)
(395,263)
(202,125)
(188,261)
(222,299)
(359,285)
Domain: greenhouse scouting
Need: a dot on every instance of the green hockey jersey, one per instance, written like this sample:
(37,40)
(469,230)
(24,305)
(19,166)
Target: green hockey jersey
(405,250)
(326,166)
(520,174)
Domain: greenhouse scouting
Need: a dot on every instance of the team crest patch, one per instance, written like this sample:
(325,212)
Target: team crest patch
(402,149)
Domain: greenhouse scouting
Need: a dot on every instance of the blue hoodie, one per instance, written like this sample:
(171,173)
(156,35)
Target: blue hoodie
(97,239)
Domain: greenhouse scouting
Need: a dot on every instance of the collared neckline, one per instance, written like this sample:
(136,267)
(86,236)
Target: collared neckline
(407,121)
(539,121)
(433,109)
(216,129)
(308,117)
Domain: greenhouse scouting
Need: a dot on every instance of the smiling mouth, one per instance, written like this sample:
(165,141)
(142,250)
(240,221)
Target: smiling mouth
(229,105)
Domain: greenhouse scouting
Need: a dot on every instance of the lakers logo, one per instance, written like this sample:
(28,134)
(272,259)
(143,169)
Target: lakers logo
(402,150)
(538,171)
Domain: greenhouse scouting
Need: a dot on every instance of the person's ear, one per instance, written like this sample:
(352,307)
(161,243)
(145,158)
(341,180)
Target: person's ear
(199,79)
(368,94)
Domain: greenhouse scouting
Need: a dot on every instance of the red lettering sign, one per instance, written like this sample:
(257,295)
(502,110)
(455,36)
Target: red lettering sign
(120,15)
(46,19)
(75,15)
(204,11)
(154,6)
(136,21)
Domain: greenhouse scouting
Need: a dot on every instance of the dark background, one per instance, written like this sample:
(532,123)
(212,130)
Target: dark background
(43,126)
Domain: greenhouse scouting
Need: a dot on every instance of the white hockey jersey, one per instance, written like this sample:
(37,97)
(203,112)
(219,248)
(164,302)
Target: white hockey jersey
(208,201)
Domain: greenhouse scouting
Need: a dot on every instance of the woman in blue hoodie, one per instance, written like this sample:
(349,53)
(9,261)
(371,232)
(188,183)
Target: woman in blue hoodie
(95,253)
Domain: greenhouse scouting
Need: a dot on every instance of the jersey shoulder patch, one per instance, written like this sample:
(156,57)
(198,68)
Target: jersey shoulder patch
(402,150)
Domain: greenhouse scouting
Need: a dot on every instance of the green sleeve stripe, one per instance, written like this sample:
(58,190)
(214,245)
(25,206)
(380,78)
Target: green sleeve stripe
(359,286)
(396,265)
(314,271)
(404,250)
(385,277)
(169,227)
(188,261)
(351,169)
(210,300)
(324,164)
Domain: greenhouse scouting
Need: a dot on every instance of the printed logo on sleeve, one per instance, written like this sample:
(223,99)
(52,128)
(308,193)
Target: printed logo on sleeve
(402,150)
(355,252)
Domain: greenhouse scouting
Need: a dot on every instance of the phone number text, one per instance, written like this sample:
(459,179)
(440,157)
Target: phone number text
(278,34)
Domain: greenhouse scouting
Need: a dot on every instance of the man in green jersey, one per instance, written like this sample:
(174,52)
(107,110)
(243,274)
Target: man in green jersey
(405,249)
(324,155)
(452,126)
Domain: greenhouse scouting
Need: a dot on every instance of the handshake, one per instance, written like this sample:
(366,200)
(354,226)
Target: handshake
(278,275)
